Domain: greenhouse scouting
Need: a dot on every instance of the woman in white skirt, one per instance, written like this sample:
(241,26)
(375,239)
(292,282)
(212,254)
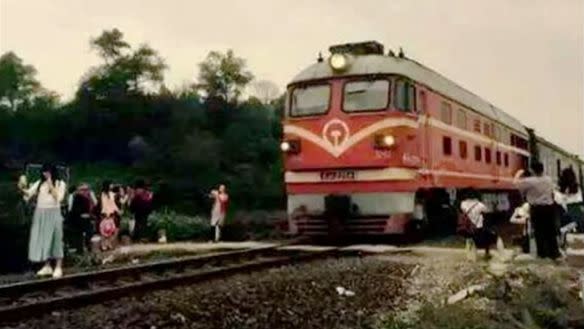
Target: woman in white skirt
(46,233)
(219,210)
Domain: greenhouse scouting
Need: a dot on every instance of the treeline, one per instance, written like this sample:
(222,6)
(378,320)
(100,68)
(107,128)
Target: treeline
(185,140)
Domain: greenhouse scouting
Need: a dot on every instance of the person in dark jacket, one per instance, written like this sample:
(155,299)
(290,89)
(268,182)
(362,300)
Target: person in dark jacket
(140,204)
(80,219)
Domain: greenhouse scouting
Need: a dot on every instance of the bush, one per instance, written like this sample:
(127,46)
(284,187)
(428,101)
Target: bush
(179,227)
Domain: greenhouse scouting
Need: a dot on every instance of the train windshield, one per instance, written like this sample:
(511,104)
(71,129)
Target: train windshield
(310,100)
(370,95)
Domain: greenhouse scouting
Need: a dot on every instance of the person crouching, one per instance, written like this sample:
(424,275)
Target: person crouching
(477,234)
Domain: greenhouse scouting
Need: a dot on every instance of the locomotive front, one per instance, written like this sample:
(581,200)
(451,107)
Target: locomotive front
(352,144)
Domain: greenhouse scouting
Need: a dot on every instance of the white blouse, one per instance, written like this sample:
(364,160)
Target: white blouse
(573,198)
(474,210)
(46,199)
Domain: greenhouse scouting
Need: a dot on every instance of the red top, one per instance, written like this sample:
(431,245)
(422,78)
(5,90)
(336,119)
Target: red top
(223,201)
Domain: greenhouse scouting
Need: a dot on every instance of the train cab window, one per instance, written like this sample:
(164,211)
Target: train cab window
(446,113)
(487,155)
(477,125)
(447,145)
(498,158)
(404,96)
(478,153)
(461,119)
(506,160)
(369,95)
(462,149)
(310,100)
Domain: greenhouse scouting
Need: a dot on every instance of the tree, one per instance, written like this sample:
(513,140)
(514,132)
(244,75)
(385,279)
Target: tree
(110,44)
(223,76)
(17,80)
(265,91)
(123,71)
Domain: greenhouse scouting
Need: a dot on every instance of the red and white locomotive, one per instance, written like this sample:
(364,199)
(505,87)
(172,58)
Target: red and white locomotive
(372,141)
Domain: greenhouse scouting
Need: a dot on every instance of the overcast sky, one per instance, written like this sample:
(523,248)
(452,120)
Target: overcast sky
(524,56)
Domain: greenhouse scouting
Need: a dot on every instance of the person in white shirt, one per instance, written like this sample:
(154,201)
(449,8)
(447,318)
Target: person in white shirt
(473,209)
(572,197)
(538,190)
(46,233)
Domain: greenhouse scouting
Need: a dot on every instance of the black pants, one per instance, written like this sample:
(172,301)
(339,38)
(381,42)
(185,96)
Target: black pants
(140,226)
(543,219)
(81,230)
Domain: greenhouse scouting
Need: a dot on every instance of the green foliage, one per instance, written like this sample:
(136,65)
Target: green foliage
(123,73)
(110,44)
(17,80)
(120,126)
(178,227)
(223,76)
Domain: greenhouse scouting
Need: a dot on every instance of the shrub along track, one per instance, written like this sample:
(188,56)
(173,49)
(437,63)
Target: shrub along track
(18,301)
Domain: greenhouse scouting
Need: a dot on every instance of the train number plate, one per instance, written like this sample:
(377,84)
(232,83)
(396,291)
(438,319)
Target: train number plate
(337,175)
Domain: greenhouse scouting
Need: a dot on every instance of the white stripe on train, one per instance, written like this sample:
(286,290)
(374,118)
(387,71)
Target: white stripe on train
(338,150)
(395,174)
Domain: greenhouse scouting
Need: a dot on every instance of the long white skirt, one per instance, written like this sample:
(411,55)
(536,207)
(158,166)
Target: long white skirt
(217,216)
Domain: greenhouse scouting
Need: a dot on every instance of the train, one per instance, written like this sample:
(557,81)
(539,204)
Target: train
(376,142)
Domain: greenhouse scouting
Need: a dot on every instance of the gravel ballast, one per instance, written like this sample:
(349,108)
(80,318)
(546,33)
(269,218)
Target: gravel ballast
(304,296)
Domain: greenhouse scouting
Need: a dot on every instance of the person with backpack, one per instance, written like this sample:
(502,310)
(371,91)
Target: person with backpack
(140,204)
(472,224)
(46,233)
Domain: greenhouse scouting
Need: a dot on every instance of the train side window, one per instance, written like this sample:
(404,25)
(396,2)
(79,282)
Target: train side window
(477,125)
(497,133)
(461,119)
(506,160)
(478,153)
(404,96)
(422,106)
(487,155)
(498,158)
(462,149)
(446,113)
(447,145)
(486,129)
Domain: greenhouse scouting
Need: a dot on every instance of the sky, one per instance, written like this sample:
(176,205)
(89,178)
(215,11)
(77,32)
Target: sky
(524,56)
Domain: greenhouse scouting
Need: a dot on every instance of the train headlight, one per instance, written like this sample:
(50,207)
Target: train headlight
(291,146)
(384,141)
(338,62)
(388,140)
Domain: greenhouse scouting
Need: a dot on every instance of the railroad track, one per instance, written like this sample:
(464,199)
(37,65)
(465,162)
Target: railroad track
(22,300)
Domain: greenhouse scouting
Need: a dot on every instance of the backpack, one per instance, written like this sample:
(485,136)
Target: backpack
(107,227)
(465,226)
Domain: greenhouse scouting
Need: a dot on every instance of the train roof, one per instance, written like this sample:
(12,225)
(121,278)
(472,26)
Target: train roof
(558,149)
(380,64)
